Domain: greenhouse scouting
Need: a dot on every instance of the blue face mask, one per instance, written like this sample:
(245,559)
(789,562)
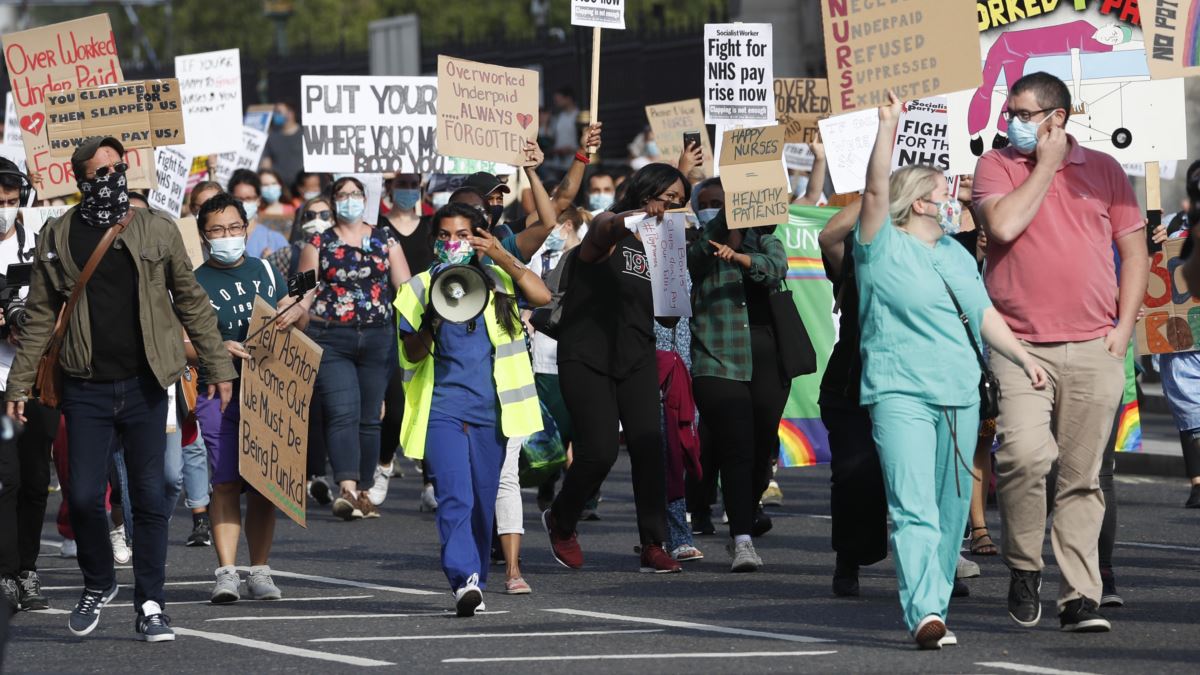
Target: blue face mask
(350,210)
(272,193)
(1024,135)
(600,201)
(405,200)
(652,148)
(706,215)
(227,250)
(555,242)
(251,208)
(278,119)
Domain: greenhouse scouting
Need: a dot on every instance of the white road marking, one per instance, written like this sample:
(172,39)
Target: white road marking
(1164,547)
(689,625)
(309,617)
(169,583)
(53,544)
(281,649)
(256,602)
(472,636)
(1021,668)
(623,657)
(347,582)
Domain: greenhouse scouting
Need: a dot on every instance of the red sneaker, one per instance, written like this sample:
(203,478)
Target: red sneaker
(656,560)
(564,549)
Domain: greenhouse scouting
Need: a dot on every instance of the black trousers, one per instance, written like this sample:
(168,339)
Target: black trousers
(856,496)
(318,453)
(393,418)
(744,428)
(25,475)
(597,403)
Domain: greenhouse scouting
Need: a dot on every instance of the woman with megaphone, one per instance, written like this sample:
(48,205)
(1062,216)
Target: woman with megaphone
(468,384)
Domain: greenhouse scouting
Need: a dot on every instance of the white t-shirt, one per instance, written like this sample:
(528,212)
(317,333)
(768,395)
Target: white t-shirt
(9,256)
(545,350)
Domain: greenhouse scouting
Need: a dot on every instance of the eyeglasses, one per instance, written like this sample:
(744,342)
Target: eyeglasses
(1024,115)
(119,167)
(343,196)
(312,215)
(222,231)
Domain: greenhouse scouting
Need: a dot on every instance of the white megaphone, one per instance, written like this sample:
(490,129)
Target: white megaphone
(459,293)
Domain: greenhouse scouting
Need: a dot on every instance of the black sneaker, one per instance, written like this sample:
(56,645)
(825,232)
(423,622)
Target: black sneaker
(31,592)
(152,625)
(201,531)
(845,580)
(762,523)
(86,614)
(1109,596)
(1080,616)
(1024,605)
(11,592)
(1193,501)
(702,524)
(960,590)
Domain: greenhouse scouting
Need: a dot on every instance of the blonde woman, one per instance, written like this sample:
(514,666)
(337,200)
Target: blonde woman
(920,373)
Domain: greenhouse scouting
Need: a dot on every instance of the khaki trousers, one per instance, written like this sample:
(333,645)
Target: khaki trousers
(1069,421)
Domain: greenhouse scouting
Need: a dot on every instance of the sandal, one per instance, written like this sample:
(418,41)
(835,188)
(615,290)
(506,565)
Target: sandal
(982,545)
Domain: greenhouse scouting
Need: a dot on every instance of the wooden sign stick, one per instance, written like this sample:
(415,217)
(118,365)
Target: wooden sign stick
(595,100)
(1153,204)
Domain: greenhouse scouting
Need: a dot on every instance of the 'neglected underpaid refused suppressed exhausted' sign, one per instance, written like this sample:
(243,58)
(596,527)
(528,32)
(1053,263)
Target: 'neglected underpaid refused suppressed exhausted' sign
(277,385)
(485,112)
(916,48)
(141,114)
(756,184)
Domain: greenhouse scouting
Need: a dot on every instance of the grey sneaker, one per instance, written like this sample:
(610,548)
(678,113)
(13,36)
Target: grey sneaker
(744,558)
(227,586)
(260,584)
(11,592)
(966,569)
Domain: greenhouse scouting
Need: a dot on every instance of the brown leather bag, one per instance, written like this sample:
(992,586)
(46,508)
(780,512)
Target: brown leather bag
(47,384)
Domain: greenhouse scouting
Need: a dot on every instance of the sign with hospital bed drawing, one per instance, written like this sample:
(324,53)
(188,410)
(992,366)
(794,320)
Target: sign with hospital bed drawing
(1099,52)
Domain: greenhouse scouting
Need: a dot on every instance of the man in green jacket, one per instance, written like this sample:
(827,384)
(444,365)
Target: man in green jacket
(123,347)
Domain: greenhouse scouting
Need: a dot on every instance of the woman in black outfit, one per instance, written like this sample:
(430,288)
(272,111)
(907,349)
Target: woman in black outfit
(608,373)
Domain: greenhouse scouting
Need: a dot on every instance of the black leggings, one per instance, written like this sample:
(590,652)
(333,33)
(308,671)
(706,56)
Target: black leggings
(317,450)
(744,428)
(393,417)
(856,496)
(597,403)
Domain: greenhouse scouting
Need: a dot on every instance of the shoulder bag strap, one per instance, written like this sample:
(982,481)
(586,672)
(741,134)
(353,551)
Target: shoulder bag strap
(966,322)
(60,328)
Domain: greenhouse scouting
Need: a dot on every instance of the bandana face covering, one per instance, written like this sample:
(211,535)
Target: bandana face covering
(454,252)
(105,199)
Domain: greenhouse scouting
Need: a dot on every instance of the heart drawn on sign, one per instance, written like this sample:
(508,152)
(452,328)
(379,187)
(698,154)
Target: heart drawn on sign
(524,119)
(33,123)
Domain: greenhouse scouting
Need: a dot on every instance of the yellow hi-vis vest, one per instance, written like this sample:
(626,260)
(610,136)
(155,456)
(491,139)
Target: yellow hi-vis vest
(520,413)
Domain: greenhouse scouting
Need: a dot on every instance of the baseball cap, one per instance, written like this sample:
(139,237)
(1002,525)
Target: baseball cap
(88,149)
(485,183)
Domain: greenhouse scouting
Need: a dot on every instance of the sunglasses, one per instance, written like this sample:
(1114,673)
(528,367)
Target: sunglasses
(323,215)
(119,167)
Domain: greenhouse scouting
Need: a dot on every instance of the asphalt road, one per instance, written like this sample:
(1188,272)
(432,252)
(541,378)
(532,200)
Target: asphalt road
(370,594)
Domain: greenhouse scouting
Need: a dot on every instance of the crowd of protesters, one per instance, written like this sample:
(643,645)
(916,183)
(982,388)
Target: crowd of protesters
(946,342)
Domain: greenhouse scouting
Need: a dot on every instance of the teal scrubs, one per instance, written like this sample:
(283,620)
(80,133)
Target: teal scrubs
(921,383)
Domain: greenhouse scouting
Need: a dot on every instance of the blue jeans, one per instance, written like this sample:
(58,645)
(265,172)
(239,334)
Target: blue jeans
(187,471)
(355,368)
(104,417)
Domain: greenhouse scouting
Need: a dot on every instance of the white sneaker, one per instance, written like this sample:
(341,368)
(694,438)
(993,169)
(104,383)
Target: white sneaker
(122,554)
(378,491)
(69,549)
(428,500)
(468,598)
(949,639)
(966,569)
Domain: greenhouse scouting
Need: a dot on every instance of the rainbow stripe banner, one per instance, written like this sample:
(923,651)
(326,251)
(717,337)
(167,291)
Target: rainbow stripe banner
(802,437)
(1129,428)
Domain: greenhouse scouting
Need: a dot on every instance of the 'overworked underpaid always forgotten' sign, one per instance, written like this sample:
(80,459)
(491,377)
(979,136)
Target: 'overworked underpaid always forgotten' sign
(485,112)
(277,386)
(756,184)
(370,124)
(799,103)
(141,115)
(916,48)
(738,73)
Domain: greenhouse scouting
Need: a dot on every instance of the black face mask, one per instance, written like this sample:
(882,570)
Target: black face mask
(105,199)
(494,214)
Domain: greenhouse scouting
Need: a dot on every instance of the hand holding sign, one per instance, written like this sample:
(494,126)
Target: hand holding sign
(533,155)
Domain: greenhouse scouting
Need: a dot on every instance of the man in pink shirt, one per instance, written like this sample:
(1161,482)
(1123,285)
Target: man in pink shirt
(1053,211)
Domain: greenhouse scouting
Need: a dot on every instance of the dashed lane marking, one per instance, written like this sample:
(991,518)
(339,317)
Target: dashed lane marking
(348,582)
(311,617)
(689,625)
(474,636)
(626,657)
(281,649)
(1022,668)
(256,603)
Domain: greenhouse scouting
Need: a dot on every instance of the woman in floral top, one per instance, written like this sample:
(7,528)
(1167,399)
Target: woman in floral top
(358,270)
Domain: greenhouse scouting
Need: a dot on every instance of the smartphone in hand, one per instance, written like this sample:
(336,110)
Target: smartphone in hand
(691,138)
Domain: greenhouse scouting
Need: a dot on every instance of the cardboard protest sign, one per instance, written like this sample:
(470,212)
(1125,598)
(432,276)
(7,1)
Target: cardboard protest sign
(598,13)
(461,165)
(191,239)
(921,135)
(172,166)
(915,49)
(34,218)
(1172,313)
(247,156)
(1172,32)
(670,121)
(757,190)
(277,386)
(61,57)
(141,114)
(370,124)
(666,259)
(848,141)
(1098,51)
(485,111)
(12,124)
(799,103)
(738,73)
(211,86)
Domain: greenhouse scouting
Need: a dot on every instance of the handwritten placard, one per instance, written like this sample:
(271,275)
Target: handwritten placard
(211,94)
(12,123)
(848,141)
(666,257)
(172,166)
(61,57)
(191,239)
(798,156)
(757,190)
(598,13)
(142,114)
(738,73)
(799,103)
(670,121)
(247,156)
(918,48)
(1172,314)
(277,385)
(1172,32)
(485,111)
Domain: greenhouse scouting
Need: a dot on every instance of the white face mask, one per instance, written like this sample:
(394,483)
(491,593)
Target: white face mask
(316,226)
(8,219)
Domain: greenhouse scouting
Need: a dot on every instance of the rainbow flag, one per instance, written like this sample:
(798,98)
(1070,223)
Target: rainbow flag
(1129,429)
(1191,55)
